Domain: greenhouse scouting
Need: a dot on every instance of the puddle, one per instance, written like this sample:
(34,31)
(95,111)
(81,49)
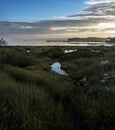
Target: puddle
(70,51)
(56,67)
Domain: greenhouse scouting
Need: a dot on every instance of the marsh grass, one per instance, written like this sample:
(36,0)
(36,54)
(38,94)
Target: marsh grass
(42,80)
(25,107)
(34,98)
(94,113)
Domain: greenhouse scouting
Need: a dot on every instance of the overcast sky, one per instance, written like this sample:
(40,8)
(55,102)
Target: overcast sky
(71,18)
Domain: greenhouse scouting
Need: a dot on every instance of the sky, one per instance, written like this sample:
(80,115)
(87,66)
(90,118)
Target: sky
(37,19)
(36,10)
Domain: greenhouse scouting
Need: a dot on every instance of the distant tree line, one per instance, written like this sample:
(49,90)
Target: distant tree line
(89,39)
(110,40)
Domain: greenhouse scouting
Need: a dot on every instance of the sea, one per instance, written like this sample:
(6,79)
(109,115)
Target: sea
(43,42)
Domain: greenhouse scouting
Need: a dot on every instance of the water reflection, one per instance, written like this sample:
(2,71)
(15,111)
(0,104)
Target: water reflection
(56,67)
(70,51)
(42,42)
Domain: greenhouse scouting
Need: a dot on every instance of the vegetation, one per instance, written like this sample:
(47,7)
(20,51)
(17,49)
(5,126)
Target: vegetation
(110,40)
(88,39)
(3,42)
(32,97)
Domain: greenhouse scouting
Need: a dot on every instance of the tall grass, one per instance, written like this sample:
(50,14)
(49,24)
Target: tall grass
(16,57)
(94,114)
(34,98)
(42,80)
(25,107)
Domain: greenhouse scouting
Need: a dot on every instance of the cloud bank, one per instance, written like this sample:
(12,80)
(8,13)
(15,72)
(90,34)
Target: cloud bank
(99,15)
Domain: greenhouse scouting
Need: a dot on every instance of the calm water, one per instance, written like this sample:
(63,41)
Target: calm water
(42,42)
(56,67)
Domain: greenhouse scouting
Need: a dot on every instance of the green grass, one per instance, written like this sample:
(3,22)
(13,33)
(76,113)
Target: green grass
(34,98)
(27,107)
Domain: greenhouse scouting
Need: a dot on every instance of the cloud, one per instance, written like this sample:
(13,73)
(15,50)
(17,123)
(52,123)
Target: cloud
(98,16)
(98,9)
(95,2)
(26,27)
(65,29)
(98,27)
(60,17)
(22,28)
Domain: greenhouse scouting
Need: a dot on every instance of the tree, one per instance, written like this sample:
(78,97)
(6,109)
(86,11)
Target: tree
(3,42)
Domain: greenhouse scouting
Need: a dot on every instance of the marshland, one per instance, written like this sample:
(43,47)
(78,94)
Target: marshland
(33,97)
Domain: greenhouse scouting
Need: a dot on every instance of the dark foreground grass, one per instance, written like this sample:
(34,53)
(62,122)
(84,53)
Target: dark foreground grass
(34,98)
(40,80)
(25,107)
